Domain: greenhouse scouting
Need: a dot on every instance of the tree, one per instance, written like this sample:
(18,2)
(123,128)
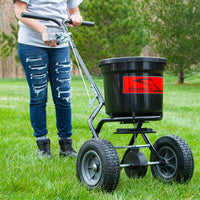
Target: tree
(118,31)
(175,29)
(9,42)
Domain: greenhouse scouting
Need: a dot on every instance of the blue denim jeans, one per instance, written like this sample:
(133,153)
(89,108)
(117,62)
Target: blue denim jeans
(41,65)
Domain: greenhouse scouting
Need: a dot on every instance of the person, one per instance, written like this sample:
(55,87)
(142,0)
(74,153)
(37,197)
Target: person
(43,60)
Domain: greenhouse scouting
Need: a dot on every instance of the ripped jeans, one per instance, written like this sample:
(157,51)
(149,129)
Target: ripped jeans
(41,65)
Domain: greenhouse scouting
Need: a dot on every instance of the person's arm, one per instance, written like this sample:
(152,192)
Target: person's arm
(33,24)
(75,16)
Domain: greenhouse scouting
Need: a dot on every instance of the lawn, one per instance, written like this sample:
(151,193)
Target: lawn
(24,176)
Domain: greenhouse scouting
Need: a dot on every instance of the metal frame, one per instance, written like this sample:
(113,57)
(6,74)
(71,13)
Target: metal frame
(124,120)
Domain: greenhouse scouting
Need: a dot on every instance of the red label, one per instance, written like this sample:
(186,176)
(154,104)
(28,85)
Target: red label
(142,84)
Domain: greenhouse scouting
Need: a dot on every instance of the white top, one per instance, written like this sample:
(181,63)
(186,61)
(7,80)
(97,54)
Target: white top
(54,8)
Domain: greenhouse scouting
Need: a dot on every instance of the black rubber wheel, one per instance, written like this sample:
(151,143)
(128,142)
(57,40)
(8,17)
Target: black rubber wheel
(138,159)
(98,165)
(179,162)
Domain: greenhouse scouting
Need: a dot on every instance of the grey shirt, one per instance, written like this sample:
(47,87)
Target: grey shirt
(54,8)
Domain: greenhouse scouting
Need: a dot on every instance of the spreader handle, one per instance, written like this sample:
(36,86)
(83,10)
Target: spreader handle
(47,18)
(35,16)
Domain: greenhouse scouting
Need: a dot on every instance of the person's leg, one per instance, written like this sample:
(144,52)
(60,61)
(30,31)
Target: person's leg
(59,76)
(35,63)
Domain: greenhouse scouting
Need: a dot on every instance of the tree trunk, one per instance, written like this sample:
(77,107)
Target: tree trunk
(16,70)
(181,77)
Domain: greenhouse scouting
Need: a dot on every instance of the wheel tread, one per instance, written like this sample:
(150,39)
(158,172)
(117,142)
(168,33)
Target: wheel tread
(111,169)
(186,161)
(188,164)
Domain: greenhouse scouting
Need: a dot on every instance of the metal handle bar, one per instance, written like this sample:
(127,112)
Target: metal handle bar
(48,18)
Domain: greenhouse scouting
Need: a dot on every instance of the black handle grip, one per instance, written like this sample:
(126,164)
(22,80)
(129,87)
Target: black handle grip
(35,16)
(84,23)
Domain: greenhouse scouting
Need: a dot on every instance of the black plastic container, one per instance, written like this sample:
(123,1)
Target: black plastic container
(133,86)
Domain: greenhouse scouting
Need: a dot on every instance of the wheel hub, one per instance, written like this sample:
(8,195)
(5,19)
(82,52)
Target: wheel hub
(91,168)
(169,163)
(95,167)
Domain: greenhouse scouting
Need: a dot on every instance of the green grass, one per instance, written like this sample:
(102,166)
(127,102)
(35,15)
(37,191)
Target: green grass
(24,176)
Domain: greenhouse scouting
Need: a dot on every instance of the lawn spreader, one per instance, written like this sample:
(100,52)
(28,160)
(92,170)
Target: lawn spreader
(133,90)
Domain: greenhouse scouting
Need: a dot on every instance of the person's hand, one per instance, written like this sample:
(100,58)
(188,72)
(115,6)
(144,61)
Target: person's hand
(49,39)
(76,19)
